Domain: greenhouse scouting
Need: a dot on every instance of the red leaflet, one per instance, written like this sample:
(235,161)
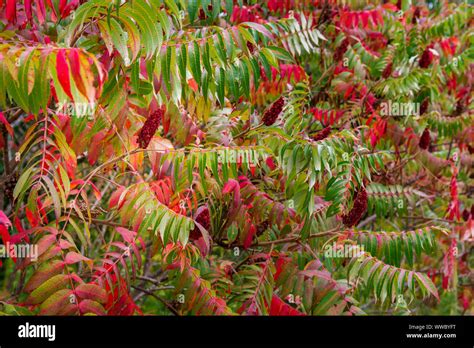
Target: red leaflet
(327,117)
(246,14)
(5,223)
(354,19)
(4,220)
(73,58)
(54,15)
(62,5)
(73,257)
(96,146)
(114,198)
(270,163)
(62,69)
(279,5)
(448,264)
(69,8)
(126,234)
(91,291)
(27,6)
(10,11)
(377,128)
(6,124)
(40,11)
(279,307)
(249,237)
(453,207)
(31,217)
(449,45)
(192,83)
(232,185)
(280,264)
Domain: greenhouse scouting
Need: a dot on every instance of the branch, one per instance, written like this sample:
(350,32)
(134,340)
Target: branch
(297,239)
(162,300)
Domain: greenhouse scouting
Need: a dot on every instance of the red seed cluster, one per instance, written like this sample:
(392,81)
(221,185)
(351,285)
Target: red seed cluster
(466,214)
(149,128)
(341,50)
(322,134)
(9,185)
(251,47)
(425,59)
(358,210)
(262,227)
(204,219)
(272,114)
(416,15)
(459,108)
(425,140)
(387,72)
(424,106)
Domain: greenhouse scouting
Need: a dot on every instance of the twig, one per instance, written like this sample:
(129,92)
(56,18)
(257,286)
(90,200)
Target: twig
(367,221)
(248,130)
(100,221)
(162,300)
(431,219)
(296,239)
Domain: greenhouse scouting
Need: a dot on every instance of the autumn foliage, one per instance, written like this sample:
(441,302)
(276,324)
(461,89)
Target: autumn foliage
(219,157)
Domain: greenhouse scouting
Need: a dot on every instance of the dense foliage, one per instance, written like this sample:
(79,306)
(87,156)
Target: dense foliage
(201,157)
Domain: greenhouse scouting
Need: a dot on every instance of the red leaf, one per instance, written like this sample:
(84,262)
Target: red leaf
(89,306)
(96,191)
(126,234)
(73,58)
(280,263)
(91,292)
(62,70)
(4,220)
(279,307)
(249,236)
(69,8)
(270,163)
(114,198)
(62,4)
(192,83)
(73,257)
(40,11)
(4,234)
(54,15)
(232,185)
(96,147)
(10,11)
(27,6)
